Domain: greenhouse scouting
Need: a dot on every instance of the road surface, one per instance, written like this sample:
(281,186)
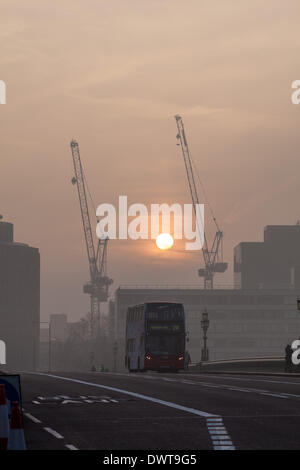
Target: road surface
(160,411)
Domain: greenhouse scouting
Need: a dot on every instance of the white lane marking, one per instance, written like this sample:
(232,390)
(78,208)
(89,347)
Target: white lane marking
(35,402)
(213,424)
(224,448)
(218,434)
(169,380)
(221,438)
(273,395)
(187,382)
(249,390)
(216,428)
(71,447)
(220,443)
(133,394)
(205,375)
(243,379)
(239,389)
(211,386)
(32,418)
(291,395)
(54,433)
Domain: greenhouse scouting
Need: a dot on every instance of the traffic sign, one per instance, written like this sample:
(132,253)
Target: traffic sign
(12,386)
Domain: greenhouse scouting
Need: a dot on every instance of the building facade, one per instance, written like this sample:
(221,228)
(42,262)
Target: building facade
(243,323)
(19,301)
(271,264)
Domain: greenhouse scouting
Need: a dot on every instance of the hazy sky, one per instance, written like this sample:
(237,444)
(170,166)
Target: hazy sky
(112,74)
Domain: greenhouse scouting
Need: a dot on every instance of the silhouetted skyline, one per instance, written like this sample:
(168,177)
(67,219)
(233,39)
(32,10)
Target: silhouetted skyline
(112,75)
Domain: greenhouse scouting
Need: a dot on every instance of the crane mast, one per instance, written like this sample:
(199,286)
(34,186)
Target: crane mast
(99,282)
(210,256)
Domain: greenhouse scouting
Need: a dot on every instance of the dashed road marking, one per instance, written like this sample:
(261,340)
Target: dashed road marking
(32,418)
(49,430)
(54,433)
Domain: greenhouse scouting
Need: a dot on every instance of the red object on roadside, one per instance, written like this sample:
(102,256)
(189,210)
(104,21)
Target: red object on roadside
(4,422)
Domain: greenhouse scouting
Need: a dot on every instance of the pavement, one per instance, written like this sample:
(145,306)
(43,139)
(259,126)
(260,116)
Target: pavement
(160,411)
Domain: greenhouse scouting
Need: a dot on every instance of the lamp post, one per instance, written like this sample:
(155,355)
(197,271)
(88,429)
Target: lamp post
(204,326)
(115,351)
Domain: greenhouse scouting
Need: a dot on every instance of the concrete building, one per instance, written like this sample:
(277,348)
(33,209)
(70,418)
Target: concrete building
(271,264)
(243,323)
(19,301)
(59,327)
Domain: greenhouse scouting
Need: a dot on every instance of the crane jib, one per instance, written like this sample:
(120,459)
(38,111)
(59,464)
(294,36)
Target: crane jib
(211,256)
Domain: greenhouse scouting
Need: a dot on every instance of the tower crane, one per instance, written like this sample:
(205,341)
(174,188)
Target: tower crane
(212,256)
(99,282)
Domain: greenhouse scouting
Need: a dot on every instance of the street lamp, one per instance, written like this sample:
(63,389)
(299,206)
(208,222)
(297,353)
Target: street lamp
(115,351)
(204,326)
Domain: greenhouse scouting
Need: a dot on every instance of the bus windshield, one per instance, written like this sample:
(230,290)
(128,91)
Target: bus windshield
(165,344)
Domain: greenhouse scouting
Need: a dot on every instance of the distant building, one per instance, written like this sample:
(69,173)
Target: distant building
(59,326)
(243,323)
(79,330)
(271,264)
(19,301)
(111,320)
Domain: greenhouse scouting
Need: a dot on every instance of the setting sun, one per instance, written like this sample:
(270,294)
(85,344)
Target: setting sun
(164,241)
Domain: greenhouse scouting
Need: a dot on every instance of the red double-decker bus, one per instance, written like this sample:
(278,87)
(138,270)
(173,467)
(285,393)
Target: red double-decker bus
(155,337)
